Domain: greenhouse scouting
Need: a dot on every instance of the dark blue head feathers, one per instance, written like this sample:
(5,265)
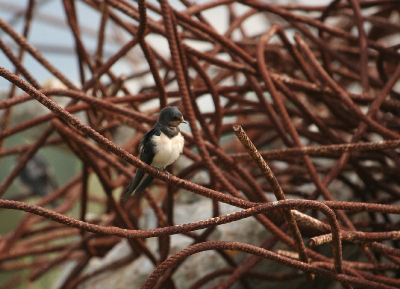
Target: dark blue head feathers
(170,116)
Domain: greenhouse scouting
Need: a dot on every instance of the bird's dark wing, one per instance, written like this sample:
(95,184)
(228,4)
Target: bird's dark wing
(144,184)
(146,155)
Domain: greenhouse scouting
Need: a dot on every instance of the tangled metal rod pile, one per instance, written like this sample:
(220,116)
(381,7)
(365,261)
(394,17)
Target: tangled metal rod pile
(305,108)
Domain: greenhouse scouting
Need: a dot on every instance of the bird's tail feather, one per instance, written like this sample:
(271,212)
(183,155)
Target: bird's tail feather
(133,184)
(144,184)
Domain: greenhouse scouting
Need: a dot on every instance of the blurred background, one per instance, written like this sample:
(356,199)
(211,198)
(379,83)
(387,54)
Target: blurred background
(48,27)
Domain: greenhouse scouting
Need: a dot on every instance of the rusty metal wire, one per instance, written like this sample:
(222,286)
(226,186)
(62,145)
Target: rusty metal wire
(313,92)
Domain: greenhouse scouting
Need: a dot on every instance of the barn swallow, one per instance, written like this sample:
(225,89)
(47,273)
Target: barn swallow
(159,147)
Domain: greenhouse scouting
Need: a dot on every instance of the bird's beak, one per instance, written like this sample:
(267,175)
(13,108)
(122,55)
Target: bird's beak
(183,121)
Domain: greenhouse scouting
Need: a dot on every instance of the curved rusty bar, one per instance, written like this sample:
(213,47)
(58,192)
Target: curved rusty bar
(322,108)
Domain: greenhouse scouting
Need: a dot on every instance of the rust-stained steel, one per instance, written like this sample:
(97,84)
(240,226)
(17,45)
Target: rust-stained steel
(314,93)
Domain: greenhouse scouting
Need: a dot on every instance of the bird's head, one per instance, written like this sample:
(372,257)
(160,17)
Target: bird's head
(170,116)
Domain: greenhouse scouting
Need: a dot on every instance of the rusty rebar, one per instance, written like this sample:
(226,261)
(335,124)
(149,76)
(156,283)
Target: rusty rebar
(322,110)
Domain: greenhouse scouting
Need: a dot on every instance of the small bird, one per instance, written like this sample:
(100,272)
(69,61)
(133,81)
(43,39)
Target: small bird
(38,176)
(159,147)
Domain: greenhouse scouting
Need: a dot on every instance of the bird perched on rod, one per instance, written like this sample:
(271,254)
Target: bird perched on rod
(159,147)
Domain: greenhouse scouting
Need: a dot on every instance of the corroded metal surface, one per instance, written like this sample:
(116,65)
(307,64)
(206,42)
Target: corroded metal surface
(306,109)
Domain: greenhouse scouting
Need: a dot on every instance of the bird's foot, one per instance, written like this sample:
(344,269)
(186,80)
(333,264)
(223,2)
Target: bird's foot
(167,172)
(158,169)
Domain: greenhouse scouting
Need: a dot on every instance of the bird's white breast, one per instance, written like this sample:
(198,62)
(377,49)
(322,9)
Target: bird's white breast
(167,150)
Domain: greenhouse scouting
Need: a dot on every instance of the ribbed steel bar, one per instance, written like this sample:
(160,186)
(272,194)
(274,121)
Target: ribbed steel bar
(323,111)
